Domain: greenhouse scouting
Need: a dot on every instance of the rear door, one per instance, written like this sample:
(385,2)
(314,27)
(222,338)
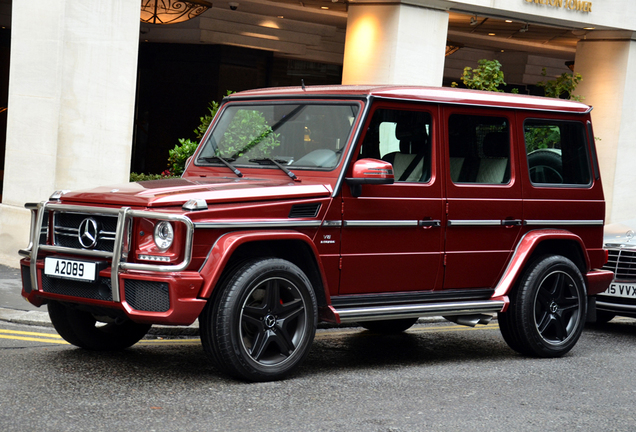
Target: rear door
(484,207)
(392,238)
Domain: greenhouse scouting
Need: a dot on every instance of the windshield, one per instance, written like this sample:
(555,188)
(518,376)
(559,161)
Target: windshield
(300,135)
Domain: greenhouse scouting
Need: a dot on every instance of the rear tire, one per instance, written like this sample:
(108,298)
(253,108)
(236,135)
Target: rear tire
(83,330)
(389,326)
(547,311)
(263,321)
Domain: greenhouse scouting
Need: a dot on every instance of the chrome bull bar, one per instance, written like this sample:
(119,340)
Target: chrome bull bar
(121,245)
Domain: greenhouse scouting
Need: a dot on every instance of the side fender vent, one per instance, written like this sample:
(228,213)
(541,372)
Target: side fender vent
(304,210)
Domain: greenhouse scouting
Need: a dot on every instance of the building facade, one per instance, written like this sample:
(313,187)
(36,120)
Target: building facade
(81,103)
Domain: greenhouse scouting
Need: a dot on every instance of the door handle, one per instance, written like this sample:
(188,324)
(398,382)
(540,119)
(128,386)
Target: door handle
(511,222)
(428,223)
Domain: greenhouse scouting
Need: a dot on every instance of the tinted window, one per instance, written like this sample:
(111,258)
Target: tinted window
(403,139)
(557,152)
(479,149)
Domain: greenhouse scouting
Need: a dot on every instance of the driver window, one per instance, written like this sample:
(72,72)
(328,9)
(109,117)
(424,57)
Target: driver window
(403,139)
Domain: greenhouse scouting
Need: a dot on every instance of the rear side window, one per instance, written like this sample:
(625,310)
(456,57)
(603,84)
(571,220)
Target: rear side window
(479,149)
(557,152)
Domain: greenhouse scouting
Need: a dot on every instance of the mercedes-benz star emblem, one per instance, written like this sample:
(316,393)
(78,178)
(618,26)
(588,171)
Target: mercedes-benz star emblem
(87,233)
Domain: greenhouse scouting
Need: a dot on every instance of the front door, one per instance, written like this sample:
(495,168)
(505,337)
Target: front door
(392,237)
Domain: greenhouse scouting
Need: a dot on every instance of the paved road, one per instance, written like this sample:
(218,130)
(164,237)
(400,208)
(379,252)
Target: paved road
(436,377)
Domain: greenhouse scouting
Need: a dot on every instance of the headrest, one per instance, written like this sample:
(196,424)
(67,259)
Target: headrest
(496,145)
(411,134)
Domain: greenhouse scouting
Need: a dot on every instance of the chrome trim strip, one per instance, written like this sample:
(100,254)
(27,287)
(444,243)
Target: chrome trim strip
(332,224)
(381,223)
(474,222)
(374,313)
(258,225)
(546,222)
(615,306)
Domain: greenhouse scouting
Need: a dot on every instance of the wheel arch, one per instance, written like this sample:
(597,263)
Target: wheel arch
(539,243)
(235,248)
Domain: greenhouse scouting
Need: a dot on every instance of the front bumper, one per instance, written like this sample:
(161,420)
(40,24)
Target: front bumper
(149,293)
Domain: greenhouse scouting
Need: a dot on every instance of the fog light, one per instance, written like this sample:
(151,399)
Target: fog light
(164,235)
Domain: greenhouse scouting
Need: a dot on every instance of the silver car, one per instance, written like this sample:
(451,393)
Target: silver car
(620,296)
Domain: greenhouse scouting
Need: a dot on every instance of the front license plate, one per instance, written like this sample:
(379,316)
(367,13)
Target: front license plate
(627,290)
(70,269)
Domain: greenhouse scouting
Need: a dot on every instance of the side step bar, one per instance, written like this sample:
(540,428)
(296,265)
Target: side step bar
(446,309)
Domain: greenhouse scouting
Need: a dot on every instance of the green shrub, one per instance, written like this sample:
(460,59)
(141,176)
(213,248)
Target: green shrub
(248,132)
(562,87)
(487,76)
(179,155)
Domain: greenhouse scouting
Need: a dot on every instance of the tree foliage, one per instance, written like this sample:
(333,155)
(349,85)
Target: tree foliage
(562,87)
(487,76)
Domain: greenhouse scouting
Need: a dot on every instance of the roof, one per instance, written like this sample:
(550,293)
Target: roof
(425,94)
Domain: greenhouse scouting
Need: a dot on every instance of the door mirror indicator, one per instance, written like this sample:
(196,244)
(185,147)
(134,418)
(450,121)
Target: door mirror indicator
(369,171)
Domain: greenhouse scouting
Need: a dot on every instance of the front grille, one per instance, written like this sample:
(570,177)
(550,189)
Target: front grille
(147,296)
(623,263)
(66,230)
(99,290)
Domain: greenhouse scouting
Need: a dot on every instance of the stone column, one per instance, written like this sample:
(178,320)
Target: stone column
(608,67)
(72,90)
(394,44)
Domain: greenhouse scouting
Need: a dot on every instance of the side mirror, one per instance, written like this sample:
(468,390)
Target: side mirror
(369,171)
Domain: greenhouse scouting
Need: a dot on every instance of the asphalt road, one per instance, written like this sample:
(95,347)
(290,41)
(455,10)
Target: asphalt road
(435,377)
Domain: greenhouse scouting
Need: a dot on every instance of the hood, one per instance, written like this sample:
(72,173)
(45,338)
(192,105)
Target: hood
(621,234)
(175,192)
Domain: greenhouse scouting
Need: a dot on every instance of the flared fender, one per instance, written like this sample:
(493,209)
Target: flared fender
(523,252)
(227,244)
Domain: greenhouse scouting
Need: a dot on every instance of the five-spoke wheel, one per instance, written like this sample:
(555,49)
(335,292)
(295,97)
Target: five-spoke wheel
(547,309)
(262,323)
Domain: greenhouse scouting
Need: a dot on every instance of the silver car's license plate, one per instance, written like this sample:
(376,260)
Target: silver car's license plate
(70,269)
(627,290)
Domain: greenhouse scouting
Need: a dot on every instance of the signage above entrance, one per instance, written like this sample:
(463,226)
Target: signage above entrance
(573,5)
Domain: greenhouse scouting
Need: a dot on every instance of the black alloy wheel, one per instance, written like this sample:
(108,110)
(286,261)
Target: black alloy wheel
(262,324)
(548,308)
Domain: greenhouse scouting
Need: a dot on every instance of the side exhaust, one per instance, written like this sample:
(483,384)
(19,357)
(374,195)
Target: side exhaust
(470,320)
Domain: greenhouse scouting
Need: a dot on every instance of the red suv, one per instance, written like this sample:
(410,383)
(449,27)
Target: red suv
(374,205)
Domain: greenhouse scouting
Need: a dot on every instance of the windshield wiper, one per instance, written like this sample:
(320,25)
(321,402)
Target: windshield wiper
(277,163)
(226,162)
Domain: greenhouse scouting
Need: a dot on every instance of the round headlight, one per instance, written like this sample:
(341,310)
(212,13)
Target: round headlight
(164,235)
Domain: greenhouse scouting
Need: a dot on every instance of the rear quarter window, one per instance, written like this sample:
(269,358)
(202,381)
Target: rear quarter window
(557,153)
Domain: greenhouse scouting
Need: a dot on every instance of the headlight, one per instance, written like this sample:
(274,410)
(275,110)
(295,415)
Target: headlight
(164,235)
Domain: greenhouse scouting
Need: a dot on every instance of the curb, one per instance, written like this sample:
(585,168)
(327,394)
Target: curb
(41,319)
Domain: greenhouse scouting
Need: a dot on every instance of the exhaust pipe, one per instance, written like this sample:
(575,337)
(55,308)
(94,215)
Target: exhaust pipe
(470,320)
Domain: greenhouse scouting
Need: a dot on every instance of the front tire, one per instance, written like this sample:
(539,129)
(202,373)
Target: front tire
(547,311)
(84,330)
(261,326)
